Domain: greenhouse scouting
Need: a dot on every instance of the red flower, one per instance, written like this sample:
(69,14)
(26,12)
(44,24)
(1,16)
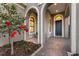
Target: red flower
(26,30)
(13,34)
(21,27)
(7,23)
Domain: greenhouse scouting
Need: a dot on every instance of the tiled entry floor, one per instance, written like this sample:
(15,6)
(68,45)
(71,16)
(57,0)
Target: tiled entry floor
(55,47)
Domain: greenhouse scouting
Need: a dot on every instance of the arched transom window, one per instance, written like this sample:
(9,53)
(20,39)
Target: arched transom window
(58,17)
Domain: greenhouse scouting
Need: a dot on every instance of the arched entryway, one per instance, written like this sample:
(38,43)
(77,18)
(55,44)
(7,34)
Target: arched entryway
(56,16)
(32,19)
(52,14)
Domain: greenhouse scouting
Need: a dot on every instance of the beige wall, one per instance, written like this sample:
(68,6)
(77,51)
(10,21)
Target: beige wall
(67,23)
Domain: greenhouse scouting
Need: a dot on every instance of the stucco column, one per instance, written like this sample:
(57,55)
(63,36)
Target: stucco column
(42,25)
(73,27)
(26,34)
(38,27)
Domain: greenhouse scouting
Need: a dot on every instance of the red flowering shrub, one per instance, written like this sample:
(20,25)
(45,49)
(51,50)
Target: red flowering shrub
(7,23)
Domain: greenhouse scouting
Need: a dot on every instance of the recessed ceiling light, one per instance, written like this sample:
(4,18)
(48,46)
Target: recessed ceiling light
(56,10)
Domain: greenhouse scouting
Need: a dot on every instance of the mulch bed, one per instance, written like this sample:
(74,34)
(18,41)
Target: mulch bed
(21,48)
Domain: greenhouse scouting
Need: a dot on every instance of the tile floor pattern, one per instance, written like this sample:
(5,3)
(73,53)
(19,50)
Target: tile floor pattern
(55,47)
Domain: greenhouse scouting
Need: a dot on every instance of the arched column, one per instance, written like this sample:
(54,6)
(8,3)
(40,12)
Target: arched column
(42,25)
(26,13)
(73,27)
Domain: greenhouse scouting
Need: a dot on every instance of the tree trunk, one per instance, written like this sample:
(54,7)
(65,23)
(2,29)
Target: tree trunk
(11,43)
(12,48)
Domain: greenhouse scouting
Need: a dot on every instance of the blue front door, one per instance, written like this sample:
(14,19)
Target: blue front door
(58,28)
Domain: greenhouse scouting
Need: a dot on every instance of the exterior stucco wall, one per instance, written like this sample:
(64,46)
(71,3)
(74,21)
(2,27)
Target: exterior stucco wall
(5,40)
(67,23)
(46,25)
(20,10)
(50,27)
(77,28)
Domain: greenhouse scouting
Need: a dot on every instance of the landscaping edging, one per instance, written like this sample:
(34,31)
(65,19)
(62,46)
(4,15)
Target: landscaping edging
(37,50)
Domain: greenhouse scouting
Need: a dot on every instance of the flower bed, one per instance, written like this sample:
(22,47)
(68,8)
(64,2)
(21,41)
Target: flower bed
(21,48)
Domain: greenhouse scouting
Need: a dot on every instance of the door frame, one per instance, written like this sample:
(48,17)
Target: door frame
(58,28)
(62,27)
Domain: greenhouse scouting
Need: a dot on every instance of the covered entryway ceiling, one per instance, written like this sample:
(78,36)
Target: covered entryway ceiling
(56,8)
